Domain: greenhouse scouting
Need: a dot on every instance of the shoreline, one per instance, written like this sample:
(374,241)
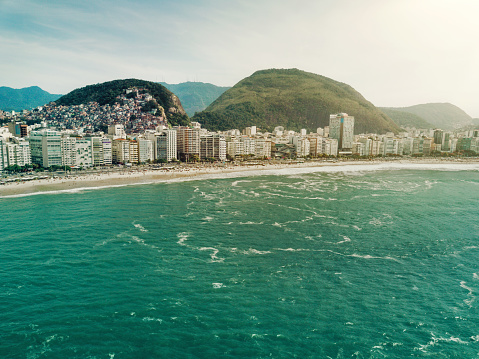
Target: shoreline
(141,175)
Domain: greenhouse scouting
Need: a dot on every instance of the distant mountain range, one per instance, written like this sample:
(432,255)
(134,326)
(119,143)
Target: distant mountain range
(439,115)
(195,96)
(293,99)
(25,98)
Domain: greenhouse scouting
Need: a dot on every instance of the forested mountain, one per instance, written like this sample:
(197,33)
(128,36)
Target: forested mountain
(195,96)
(294,99)
(24,99)
(406,119)
(441,115)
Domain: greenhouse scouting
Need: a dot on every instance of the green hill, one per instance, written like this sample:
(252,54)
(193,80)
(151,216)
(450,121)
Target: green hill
(441,115)
(195,96)
(24,99)
(294,99)
(406,119)
(106,93)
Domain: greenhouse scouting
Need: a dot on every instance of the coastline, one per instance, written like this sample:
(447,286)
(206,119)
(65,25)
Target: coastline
(144,175)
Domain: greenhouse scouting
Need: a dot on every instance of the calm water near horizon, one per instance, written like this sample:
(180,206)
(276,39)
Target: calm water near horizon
(358,262)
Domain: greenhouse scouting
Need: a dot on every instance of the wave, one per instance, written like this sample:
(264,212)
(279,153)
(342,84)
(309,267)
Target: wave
(294,171)
(434,340)
(139,227)
(213,255)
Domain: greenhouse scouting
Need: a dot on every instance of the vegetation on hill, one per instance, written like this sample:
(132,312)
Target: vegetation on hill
(294,99)
(406,119)
(106,93)
(25,98)
(195,96)
(441,115)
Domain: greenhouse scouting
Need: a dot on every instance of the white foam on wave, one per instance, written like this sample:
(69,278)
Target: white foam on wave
(255,251)
(471,297)
(140,227)
(75,190)
(339,168)
(434,340)
(182,238)
(291,249)
(368,256)
(345,239)
(235,183)
(213,255)
(151,319)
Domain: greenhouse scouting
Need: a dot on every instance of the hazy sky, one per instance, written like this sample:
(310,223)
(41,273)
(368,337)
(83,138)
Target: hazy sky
(394,52)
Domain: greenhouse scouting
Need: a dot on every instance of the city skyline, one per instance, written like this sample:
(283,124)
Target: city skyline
(399,53)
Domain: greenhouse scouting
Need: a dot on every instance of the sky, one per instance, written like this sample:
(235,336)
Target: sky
(394,52)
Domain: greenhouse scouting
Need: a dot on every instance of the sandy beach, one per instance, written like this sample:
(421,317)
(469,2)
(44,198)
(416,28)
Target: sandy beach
(143,175)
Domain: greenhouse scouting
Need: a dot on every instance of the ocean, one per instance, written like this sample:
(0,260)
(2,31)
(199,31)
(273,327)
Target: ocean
(367,261)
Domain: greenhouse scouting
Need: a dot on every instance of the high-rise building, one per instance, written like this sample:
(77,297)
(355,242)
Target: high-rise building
(166,145)
(3,154)
(188,142)
(46,148)
(120,149)
(145,150)
(117,131)
(19,152)
(341,128)
(107,151)
(134,152)
(213,146)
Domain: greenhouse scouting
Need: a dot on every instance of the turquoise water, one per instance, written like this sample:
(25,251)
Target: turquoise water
(364,262)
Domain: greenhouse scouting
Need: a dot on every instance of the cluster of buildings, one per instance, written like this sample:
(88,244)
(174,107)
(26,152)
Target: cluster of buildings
(129,110)
(45,146)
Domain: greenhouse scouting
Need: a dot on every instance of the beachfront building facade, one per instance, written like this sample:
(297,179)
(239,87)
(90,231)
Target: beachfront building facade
(213,146)
(101,151)
(166,144)
(18,152)
(145,150)
(134,152)
(3,154)
(120,149)
(341,128)
(188,142)
(46,148)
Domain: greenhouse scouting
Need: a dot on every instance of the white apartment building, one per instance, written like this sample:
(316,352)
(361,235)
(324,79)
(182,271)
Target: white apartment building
(263,148)
(166,145)
(213,146)
(84,155)
(302,146)
(120,149)
(134,152)
(3,154)
(107,151)
(46,148)
(234,147)
(18,152)
(145,150)
(116,131)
